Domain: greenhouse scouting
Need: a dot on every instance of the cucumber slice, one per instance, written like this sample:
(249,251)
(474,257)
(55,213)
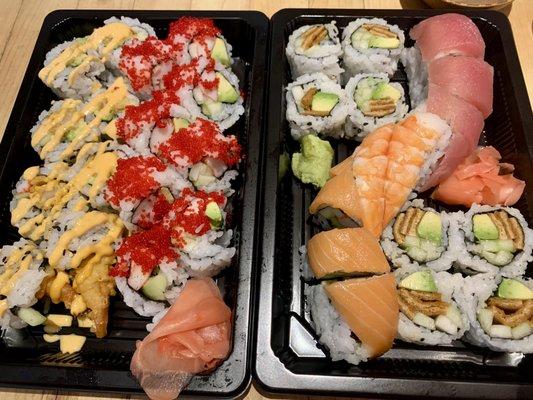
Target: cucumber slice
(31,316)
(485,317)
(424,321)
(501,331)
(445,324)
(521,331)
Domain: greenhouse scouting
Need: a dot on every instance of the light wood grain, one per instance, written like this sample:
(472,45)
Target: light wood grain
(22,19)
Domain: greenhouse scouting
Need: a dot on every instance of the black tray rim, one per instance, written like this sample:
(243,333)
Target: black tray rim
(268,371)
(28,377)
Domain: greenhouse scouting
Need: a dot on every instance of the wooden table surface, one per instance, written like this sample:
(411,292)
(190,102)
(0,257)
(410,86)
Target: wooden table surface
(20,21)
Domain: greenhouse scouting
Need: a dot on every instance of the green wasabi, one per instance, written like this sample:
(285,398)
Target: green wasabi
(313,163)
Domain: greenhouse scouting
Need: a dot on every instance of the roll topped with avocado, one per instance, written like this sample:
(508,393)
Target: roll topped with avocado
(494,240)
(373,101)
(429,311)
(315,103)
(419,237)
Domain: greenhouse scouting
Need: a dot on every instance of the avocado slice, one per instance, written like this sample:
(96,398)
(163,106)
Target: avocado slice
(499,259)
(211,108)
(226,92)
(108,117)
(513,289)
(71,134)
(31,316)
(484,228)
(75,62)
(384,90)
(155,287)
(420,280)
(430,227)
(219,52)
(179,123)
(384,42)
(324,102)
(213,212)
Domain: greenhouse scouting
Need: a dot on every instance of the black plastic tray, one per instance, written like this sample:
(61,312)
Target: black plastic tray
(103,364)
(288,358)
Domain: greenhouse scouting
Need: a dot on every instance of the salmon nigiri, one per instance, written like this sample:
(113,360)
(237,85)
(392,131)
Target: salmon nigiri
(345,252)
(370,308)
(193,337)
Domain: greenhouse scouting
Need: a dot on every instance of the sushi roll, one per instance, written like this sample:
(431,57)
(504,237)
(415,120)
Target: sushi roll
(316,104)
(419,236)
(62,130)
(315,48)
(371,46)
(78,68)
(355,319)
(430,307)
(493,240)
(500,312)
(21,273)
(373,101)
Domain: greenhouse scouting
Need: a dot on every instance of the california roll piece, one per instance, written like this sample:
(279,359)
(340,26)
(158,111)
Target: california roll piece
(373,101)
(315,48)
(419,237)
(78,68)
(494,240)
(500,312)
(371,45)
(430,308)
(316,104)
(21,273)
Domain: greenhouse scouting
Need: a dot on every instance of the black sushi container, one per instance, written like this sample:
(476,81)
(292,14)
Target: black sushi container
(289,358)
(103,364)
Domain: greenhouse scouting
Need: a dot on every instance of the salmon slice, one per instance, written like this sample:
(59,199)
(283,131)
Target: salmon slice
(370,308)
(448,34)
(193,337)
(345,252)
(342,167)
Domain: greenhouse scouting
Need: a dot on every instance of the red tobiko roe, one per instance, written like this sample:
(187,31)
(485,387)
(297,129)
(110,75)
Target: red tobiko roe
(155,215)
(199,140)
(132,179)
(191,27)
(145,248)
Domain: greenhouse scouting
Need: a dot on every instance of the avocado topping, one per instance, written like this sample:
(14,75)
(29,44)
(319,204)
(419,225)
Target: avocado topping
(313,36)
(212,108)
(219,52)
(513,289)
(179,123)
(317,103)
(313,163)
(421,280)
(376,97)
(498,237)
(374,36)
(226,93)
(155,287)
(214,213)
(419,233)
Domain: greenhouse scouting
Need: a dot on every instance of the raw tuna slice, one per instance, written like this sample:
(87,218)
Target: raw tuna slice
(448,34)
(466,77)
(193,337)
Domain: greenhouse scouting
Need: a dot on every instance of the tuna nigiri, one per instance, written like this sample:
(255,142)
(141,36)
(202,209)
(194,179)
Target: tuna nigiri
(448,34)
(481,179)
(345,252)
(193,337)
(370,308)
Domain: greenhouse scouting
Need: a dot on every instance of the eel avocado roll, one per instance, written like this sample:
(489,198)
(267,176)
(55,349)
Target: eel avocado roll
(493,240)
(316,104)
(371,45)
(373,101)
(419,237)
(500,312)
(315,48)
(430,312)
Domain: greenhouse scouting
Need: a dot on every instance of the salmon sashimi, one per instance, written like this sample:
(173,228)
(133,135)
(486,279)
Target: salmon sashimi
(341,252)
(466,77)
(370,308)
(481,179)
(193,337)
(448,34)
(342,167)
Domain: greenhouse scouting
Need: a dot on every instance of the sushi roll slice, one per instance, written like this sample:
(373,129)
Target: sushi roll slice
(371,46)
(500,312)
(355,319)
(373,101)
(430,307)
(21,273)
(419,236)
(316,104)
(69,124)
(78,68)
(315,48)
(494,240)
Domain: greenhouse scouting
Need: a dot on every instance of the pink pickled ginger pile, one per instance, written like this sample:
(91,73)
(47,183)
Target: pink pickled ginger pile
(481,179)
